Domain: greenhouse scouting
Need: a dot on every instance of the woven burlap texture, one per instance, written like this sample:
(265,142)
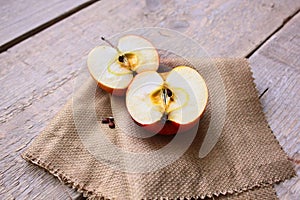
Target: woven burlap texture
(244,164)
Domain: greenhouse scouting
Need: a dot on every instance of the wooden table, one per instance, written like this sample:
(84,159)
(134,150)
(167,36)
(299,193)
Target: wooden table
(44,42)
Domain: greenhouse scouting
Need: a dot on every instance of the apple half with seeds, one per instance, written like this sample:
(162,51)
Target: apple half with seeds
(114,67)
(167,103)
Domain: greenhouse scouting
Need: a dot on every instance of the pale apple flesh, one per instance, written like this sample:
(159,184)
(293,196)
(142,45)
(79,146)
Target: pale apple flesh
(114,68)
(167,103)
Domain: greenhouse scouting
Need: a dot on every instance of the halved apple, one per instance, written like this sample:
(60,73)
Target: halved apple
(113,67)
(167,103)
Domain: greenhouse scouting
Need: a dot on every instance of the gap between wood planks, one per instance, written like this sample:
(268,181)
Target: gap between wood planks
(285,21)
(44,26)
(63,16)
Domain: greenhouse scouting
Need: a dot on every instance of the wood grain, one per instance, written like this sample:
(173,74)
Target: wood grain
(20,17)
(37,74)
(276,65)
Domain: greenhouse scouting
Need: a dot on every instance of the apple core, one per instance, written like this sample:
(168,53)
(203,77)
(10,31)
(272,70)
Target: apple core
(167,103)
(113,67)
(128,61)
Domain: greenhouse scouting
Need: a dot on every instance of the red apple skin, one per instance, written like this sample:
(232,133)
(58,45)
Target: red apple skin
(116,92)
(122,92)
(170,128)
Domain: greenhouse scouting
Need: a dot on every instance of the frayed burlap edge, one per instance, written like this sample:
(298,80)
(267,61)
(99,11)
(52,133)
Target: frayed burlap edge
(91,193)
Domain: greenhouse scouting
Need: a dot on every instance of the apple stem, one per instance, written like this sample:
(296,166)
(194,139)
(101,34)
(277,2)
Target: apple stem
(164,118)
(110,44)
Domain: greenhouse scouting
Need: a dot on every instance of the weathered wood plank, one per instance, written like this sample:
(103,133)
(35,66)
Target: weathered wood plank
(19,17)
(20,180)
(36,75)
(276,65)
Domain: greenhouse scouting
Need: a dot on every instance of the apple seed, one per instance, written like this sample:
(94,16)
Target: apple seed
(105,121)
(169,93)
(111,119)
(111,124)
(121,58)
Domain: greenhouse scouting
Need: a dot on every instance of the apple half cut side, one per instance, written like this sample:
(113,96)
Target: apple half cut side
(114,67)
(167,103)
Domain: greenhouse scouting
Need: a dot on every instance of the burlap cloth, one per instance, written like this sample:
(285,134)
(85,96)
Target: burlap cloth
(245,163)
